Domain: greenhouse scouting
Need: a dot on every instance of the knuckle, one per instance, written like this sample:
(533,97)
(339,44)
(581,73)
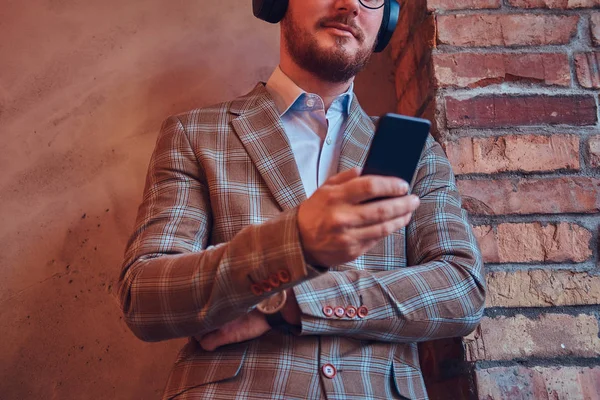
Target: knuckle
(336,220)
(328,196)
(364,216)
(381,213)
(369,187)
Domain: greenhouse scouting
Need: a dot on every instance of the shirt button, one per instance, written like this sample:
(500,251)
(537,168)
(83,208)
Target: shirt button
(328,141)
(339,311)
(328,311)
(329,371)
(310,103)
(363,311)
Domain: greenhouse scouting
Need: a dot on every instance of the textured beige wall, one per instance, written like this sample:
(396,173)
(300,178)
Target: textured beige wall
(84,86)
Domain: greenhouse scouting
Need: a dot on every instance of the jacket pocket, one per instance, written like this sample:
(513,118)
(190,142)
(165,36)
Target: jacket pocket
(406,374)
(195,367)
(408,382)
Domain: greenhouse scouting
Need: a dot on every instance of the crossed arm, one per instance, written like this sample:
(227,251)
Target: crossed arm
(172,285)
(441,294)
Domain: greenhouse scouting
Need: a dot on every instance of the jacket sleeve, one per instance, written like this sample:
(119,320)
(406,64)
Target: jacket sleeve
(172,284)
(441,293)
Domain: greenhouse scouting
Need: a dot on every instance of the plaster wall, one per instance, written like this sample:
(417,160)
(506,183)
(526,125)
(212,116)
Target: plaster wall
(84,87)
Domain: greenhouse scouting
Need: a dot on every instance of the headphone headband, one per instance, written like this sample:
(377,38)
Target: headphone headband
(269,10)
(273,11)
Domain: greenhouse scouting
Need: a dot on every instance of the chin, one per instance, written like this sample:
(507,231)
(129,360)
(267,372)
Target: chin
(339,43)
(327,39)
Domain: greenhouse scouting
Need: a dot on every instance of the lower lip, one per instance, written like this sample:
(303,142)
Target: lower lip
(339,32)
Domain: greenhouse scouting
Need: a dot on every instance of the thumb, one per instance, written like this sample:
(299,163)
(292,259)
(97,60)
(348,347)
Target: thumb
(344,176)
(210,341)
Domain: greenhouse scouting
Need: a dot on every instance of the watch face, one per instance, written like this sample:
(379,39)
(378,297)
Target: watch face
(272,304)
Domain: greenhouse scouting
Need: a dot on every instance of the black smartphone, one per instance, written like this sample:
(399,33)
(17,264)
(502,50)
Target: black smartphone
(397,146)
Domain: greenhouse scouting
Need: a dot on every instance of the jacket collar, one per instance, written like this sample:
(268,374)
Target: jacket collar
(259,127)
(285,93)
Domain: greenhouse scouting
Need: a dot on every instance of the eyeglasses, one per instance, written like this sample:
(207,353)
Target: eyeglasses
(372,4)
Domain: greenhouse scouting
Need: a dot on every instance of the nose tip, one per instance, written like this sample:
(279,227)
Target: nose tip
(351,6)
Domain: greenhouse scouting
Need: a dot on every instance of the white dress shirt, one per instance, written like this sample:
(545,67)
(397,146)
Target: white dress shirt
(314,135)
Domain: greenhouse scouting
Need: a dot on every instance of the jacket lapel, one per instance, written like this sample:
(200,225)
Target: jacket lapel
(357,138)
(261,131)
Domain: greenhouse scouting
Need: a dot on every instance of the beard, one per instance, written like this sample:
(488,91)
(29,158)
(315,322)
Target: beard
(333,65)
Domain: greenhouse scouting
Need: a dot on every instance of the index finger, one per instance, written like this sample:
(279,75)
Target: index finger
(343,176)
(371,187)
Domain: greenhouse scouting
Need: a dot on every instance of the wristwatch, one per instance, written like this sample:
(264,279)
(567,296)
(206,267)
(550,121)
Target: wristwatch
(271,307)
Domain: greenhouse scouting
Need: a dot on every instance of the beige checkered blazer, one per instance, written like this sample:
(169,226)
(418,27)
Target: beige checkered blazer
(218,223)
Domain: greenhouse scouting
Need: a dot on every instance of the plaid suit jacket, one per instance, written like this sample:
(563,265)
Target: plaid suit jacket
(219,215)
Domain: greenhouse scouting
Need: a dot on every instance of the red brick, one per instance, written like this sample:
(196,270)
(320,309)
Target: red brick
(482,30)
(498,111)
(488,242)
(475,70)
(594,151)
(549,336)
(534,242)
(542,288)
(527,153)
(588,69)
(443,5)
(538,383)
(531,196)
(595,28)
(555,4)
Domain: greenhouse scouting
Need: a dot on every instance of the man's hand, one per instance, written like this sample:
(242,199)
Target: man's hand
(246,327)
(291,310)
(335,224)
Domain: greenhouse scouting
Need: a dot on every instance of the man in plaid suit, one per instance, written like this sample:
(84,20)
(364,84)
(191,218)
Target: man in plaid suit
(262,195)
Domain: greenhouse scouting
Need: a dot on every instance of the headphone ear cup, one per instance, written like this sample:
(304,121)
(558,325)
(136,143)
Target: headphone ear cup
(391,13)
(269,10)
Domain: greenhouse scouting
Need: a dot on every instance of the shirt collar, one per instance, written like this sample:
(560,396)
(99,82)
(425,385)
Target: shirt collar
(285,93)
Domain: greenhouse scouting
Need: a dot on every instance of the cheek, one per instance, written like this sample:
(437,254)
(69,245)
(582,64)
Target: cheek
(305,12)
(371,27)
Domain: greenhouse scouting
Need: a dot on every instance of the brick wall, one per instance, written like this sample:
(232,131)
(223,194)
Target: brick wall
(512,87)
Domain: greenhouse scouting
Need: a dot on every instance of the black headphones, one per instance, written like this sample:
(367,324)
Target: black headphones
(273,11)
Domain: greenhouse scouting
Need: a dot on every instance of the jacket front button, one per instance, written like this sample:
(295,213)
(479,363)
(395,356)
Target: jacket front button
(340,311)
(328,311)
(329,371)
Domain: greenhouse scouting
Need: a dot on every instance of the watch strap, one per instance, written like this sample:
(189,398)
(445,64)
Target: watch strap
(275,320)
